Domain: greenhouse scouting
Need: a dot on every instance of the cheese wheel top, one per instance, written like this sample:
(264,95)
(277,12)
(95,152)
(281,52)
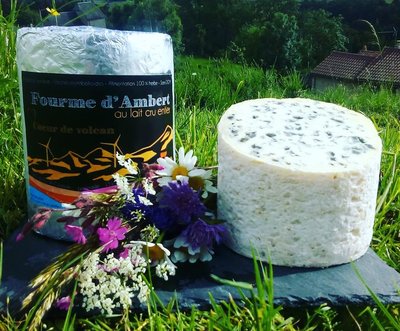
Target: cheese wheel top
(300,134)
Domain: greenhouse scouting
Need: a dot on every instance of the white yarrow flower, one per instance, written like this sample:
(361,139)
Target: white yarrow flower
(124,187)
(148,186)
(113,282)
(128,164)
(143,200)
(165,269)
(164,266)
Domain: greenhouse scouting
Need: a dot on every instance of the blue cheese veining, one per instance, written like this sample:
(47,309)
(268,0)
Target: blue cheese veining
(327,138)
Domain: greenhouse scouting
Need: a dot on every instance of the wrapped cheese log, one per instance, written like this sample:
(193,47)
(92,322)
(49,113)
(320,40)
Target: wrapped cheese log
(297,181)
(86,94)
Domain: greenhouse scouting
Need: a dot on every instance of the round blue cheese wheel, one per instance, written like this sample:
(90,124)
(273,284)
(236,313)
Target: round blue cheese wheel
(297,180)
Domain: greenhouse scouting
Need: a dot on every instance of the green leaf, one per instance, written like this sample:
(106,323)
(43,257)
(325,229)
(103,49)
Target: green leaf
(233,283)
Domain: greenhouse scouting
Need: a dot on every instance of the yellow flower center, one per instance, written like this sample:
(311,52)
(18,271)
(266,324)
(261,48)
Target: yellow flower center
(196,183)
(179,171)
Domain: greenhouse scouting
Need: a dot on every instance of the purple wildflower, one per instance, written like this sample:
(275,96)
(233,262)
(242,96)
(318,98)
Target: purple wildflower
(102,190)
(83,202)
(63,303)
(201,234)
(19,237)
(76,233)
(149,170)
(88,223)
(185,203)
(124,254)
(163,218)
(67,219)
(36,222)
(110,236)
(130,208)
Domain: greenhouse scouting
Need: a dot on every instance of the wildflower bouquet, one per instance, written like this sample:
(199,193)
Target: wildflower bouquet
(152,218)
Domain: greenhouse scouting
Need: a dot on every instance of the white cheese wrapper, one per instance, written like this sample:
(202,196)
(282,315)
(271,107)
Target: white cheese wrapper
(297,181)
(87,93)
(93,51)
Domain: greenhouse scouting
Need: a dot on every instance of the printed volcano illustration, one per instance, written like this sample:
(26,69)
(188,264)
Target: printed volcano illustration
(75,171)
(72,165)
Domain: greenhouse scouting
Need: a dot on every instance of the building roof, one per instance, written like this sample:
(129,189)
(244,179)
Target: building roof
(364,66)
(343,65)
(369,53)
(384,68)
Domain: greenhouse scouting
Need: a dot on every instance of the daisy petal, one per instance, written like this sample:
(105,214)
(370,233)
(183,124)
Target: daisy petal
(190,163)
(198,173)
(166,162)
(189,155)
(163,181)
(182,179)
(181,154)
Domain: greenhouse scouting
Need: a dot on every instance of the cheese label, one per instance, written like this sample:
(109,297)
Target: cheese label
(75,125)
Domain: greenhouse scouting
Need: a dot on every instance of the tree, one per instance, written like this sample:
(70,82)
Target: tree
(382,14)
(210,26)
(272,42)
(147,15)
(321,33)
(267,8)
(272,36)
(28,16)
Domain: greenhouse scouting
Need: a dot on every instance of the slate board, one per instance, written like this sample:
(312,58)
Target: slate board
(293,287)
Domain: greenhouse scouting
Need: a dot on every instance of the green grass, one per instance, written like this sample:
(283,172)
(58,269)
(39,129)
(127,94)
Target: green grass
(204,89)
(12,190)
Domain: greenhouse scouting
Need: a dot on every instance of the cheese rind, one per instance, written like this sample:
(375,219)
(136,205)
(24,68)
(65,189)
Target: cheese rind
(297,181)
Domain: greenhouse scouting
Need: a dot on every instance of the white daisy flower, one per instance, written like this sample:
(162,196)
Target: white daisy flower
(199,179)
(184,171)
(173,169)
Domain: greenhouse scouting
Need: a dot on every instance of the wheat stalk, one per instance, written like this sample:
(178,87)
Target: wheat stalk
(48,284)
(374,34)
